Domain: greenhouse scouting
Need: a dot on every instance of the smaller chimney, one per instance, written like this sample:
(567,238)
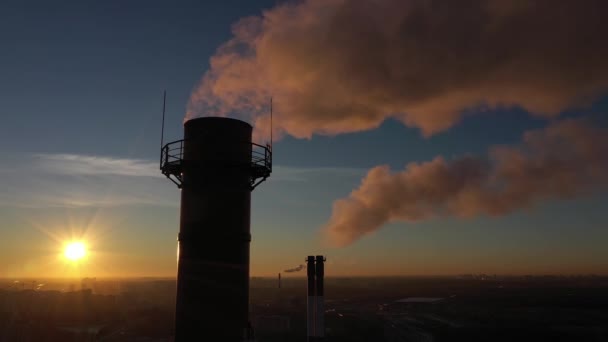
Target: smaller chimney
(249,333)
(320,300)
(310,303)
(279,280)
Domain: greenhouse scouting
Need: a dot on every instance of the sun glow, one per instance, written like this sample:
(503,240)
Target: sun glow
(75,251)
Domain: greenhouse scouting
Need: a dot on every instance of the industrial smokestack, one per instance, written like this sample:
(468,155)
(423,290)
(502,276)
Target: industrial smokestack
(217,167)
(310,303)
(279,280)
(319,302)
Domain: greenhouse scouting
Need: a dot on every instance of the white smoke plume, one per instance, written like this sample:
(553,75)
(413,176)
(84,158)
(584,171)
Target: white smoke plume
(567,159)
(338,66)
(295,269)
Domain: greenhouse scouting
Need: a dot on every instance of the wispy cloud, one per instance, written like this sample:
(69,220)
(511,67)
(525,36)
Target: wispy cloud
(72,180)
(75,180)
(75,164)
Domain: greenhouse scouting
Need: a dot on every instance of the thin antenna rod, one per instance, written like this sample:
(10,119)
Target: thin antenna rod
(270,123)
(162,129)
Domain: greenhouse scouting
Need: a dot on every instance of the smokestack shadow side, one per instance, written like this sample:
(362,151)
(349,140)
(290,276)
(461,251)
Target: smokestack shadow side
(216,171)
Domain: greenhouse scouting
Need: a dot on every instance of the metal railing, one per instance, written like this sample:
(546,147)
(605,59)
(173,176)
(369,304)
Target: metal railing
(172,152)
(172,156)
(261,163)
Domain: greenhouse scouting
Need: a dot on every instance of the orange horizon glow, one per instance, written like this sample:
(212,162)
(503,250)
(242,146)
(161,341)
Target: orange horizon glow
(113,250)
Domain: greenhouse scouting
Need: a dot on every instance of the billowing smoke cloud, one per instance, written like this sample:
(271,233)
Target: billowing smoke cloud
(567,159)
(336,66)
(295,269)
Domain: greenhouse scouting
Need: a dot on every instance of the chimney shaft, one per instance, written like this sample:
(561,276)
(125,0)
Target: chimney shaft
(214,236)
(310,303)
(320,300)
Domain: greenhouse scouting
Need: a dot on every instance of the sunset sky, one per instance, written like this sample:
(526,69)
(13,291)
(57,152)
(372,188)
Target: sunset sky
(516,113)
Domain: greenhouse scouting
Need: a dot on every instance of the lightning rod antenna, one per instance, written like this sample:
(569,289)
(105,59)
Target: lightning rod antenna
(271,123)
(162,129)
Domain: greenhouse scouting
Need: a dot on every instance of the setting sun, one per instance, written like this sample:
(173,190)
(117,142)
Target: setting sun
(75,251)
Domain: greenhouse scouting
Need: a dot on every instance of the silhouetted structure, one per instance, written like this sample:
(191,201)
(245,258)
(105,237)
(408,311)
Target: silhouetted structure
(217,166)
(315,304)
(310,300)
(320,300)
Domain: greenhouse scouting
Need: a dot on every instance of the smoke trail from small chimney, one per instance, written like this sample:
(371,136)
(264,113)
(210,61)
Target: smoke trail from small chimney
(295,269)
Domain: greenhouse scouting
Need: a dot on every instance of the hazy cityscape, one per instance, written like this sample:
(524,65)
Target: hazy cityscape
(463,308)
(304,171)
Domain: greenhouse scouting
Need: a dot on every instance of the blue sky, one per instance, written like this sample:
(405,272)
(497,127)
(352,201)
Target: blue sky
(81,88)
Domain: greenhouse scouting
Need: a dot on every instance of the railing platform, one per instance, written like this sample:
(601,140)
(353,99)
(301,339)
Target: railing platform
(172,157)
